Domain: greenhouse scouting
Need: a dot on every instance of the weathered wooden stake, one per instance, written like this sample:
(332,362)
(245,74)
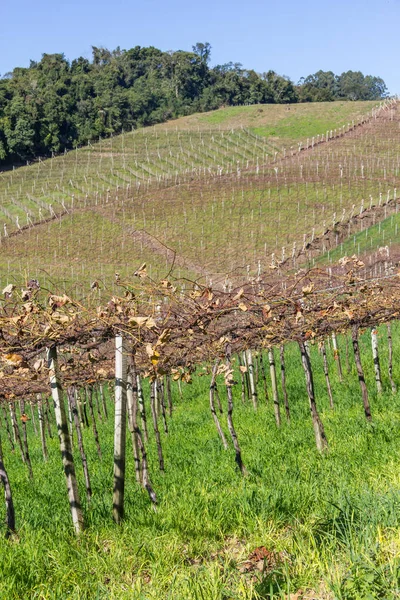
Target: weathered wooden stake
(89,396)
(375,356)
(72,399)
(319,432)
(24,418)
(326,372)
(212,406)
(231,427)
(155,425)
(42,427)
(360,372)
(390,362)
(119,428)
(252,380)
(145,471)
(64,439)
(283,381)
(8,427)
(274,385)
(131,401)
(336,355)
(142,408)
(10,512)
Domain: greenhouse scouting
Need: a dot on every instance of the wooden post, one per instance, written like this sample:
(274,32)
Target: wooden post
(103,402)
(161,395)
(64,439)
(319,432)
(24,418)
(7,427)
(283,381)
(246,375)
(33,418)
(375,356)
(119,428)
(42,427)
(17,436)
(231,427)
(242,366)
(336,356)
(169,394)
(72,399)
(155,425)
(139,438)
(275,396)
(264,376)
(89,396)
(252,380)
(212,406)
(142,408)
(360,372)
(131,400)
(390,361)
(326,372)
(10,512)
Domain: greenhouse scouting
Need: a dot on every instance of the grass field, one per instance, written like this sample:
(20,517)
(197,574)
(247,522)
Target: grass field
(329,525)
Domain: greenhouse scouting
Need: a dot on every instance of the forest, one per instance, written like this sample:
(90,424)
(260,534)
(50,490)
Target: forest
(56,104)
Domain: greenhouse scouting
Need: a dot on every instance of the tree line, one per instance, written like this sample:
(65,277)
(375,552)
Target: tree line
(55,104)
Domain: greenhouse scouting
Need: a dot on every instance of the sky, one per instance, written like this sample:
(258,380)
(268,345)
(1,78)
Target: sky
(292,37)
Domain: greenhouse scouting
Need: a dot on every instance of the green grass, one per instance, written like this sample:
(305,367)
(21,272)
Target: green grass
(287,123)
(335,518)
(367,241)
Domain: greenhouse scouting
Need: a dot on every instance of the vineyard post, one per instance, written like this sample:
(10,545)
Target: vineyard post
(246,375)
(320,437)
(24,419)
(145,472)
(10,512)
(72,400)
(64,439)
(142,408)
(375,356)
(212,405)
(131,400)
(169,394)
(390,360)
(33,418)
(103,402)
(119,428)
(264,377)
(7,427)
(253,388)
(274,385)
(231,427)
(17,436)
(326,372)
(242,367)
(95,430)
(283,380)
(360,372)
(337,356)
(161,395)
(42,429)
(155,424)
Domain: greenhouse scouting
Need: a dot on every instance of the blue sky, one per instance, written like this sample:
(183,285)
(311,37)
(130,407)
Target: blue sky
(292,37)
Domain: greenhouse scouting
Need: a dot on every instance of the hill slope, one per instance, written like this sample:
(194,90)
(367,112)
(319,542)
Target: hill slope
(209,202)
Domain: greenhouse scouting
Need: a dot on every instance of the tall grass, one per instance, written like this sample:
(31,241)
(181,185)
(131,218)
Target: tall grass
(332,519)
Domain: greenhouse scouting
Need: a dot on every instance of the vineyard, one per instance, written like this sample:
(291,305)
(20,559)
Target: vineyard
(203,324)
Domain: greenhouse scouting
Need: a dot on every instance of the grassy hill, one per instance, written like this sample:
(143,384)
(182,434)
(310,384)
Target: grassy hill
(211,195)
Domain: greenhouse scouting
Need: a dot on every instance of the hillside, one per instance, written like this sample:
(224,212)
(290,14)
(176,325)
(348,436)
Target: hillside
(210,200)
